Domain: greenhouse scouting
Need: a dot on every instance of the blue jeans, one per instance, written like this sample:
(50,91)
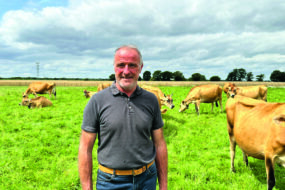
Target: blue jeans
(144,181)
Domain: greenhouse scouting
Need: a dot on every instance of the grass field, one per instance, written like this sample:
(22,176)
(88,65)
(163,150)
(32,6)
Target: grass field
(39,147)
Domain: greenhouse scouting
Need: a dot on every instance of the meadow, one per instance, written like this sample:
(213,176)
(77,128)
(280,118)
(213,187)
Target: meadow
(39,147)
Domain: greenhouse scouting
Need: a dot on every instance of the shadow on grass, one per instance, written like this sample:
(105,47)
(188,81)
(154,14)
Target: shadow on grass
(258,169)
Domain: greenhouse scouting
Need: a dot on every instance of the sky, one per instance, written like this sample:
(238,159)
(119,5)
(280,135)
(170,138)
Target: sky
(77,38)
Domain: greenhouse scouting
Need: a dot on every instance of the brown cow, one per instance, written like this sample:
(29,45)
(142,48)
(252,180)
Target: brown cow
(255,92)
(164,99)
(202,94)
(100,87)
(40,88)
(37,102)
(259,130)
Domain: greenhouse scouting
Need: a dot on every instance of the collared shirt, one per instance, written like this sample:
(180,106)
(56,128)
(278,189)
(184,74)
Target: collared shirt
(124,126)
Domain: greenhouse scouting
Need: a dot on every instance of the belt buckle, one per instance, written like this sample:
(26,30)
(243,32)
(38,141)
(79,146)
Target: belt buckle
(138,171)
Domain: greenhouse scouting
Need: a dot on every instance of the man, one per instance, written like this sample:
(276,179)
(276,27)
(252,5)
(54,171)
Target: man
(132,151)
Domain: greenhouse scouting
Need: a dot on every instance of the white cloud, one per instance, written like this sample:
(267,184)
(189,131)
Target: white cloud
(209,37)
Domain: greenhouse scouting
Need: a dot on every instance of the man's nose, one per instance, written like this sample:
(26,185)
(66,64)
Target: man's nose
(126,69)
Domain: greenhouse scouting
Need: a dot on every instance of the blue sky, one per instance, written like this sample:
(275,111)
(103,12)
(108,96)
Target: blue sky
(77,38)
(10,5)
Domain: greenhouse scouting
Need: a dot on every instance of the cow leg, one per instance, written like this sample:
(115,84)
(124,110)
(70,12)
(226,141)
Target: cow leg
(245,159)
(270,173)
(221,105)
(233,152)
(54,93)
(212,106)
(197,108)
(34,93)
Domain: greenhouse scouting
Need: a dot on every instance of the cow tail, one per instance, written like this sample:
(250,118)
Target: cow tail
(217,104)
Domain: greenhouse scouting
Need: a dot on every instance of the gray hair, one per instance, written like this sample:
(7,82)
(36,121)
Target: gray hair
(131,47)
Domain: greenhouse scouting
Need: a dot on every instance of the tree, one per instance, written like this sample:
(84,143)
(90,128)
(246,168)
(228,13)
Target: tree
(260,77)
(112,77)
(249,76)
(198,77)
(277,76)
(166,75)
(146,75)
(241,74)
(156,76)
(231,77)
(236,75)
(178,76)
(215,78)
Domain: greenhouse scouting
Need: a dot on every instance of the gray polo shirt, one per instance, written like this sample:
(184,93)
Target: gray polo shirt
(124,125)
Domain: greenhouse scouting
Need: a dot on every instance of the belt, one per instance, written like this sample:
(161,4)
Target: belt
(133,172)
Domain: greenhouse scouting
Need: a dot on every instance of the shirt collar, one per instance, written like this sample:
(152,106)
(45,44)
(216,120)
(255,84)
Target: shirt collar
(115,91)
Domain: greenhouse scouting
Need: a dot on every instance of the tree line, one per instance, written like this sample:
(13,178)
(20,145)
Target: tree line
(235,75)
(158,75)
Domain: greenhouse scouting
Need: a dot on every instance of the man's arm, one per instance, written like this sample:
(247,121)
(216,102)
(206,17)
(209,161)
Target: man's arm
(85,159)
(161,159)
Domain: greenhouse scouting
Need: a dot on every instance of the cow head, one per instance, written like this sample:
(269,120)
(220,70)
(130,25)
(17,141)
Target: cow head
(86,93)
(183,106)
(232,91)
(25,95)
(190,100)
(226,87)
(25,102)
(168,101)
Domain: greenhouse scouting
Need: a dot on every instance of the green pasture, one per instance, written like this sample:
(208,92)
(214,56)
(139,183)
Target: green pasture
(39,147)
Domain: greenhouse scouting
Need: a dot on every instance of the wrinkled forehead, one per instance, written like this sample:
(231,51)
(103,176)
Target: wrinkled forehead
(127,55)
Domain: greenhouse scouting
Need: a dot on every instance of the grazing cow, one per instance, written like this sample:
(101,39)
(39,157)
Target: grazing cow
(37,102)
(156,93)
(164,99)
(202,94)
(258,128)
(40,88)
(100,87)
(255,92)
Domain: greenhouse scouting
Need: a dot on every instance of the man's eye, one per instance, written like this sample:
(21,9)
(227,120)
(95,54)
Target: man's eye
(132,65)
(121,65)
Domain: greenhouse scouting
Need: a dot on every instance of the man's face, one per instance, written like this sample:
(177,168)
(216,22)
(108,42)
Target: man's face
(127,68)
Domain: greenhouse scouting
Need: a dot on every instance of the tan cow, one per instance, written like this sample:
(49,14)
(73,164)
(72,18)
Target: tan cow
(100,87)
(202,94)
(255,92)
(40,88)
(37,102)
(258,128)
(164,99)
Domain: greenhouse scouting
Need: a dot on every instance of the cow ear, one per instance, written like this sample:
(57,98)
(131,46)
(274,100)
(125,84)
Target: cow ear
(280,120)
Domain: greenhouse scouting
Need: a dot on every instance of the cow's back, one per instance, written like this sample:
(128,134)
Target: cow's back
(252,123)
(255,92)
(210,93)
